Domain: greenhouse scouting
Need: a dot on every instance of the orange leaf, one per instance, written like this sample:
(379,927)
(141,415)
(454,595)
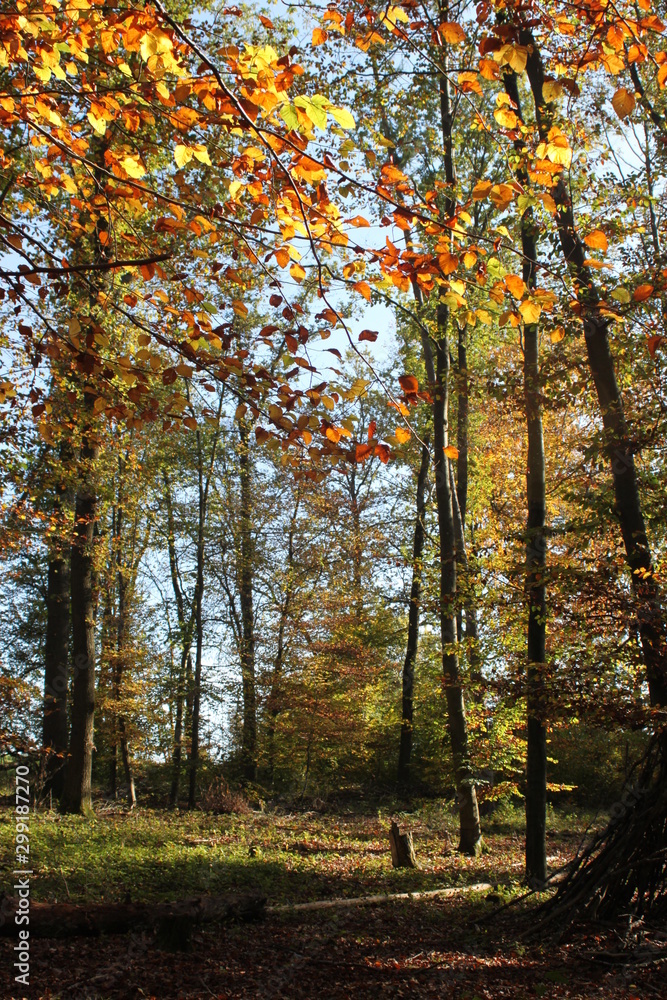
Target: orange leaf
(452,32)
(363,288)
(265,21)
(402,435)
(282,256)
(642,292)
(358,221)
(447,262)
(515,285)
(654,343)
(623,102)
(596,240)
(319,36)
(363,451)
(333,434)
(451,452)
(371,429)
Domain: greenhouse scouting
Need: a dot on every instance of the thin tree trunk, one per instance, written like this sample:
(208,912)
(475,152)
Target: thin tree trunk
(56,652)
(536,749)
(618,445)
(274,696)
(185,632)
(120,667)
(468,602)
(470,834)
(76,797)
(405,745)
(249,736)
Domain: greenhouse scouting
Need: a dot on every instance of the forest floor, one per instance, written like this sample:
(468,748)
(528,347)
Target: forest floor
(456,947)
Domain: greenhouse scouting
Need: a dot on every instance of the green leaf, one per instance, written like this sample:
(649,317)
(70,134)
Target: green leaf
(290,117)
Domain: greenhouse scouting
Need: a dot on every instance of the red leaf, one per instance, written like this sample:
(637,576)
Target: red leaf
(371,429)
(408,383)
(368,335)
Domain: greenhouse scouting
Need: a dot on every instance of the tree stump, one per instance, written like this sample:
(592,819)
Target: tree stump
(402,848)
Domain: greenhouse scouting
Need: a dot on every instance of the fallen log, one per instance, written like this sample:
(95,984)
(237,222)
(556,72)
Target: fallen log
(58,920)
(388,897)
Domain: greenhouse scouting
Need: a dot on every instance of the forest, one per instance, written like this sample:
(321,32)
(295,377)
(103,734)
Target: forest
(333,532)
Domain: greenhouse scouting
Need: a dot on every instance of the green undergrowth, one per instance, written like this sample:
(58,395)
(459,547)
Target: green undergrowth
(153,855)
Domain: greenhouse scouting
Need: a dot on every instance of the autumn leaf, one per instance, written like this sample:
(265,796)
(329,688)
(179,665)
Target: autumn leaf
(266,22)
(623,102)
(408,383)
(368,335)
(133,168)
(506,117)
(654,342)
(451,452)
(530,311)
(557,335)
(183,155)
(452,33)
(596,240)
(343,117)
(359,222)
(319,36)
(402,434)
(447,262)
(372,427)
(642,292)
(297,272)
(515,285)
(363,288)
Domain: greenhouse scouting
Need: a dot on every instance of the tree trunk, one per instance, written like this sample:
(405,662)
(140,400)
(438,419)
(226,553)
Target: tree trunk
(274,696)
(536,749)
(402,848)
(76,797)
(405,746)
(249,737)
(619,447)
(470,834)
(120,667)
(56,651)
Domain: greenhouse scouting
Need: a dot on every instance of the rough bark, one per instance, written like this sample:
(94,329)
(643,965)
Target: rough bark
(405,746)
(278,663)
(76,797)
(402,848)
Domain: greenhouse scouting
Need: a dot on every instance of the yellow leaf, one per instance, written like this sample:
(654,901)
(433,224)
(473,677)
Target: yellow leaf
(506,117)
(183,155)
(515,285)
(98,124)
(297,272)
(42,73)
(201,154)
(132,167)
(341,115)
(557,335)
(402,435)
(319,36)
(239,308)
(451,452)
(328,402)
(551,90)
(623,102)
(148,47)
(596,240)
(530,311)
